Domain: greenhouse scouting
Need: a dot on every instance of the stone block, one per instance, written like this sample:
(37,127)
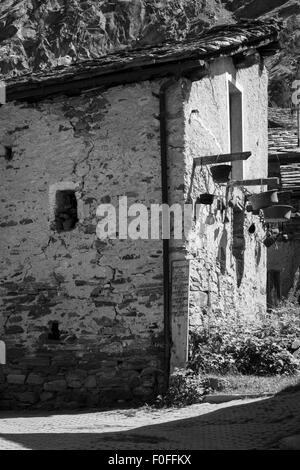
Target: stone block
(142,392)
(55,385)
(44,396)
(37,361)
(73,382)
(27,397)
(90,382)
(34,379)
(16,379)
(290,443)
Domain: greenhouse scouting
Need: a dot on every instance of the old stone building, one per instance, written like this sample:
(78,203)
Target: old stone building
(86,320)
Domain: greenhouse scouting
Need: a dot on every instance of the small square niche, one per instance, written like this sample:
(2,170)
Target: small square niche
(66,210)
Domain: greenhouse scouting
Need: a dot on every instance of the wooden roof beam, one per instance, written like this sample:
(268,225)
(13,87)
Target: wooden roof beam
(272,182)
(35,90)
(284,158)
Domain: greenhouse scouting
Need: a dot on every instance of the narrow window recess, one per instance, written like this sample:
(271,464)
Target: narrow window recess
(66,210)
(239,243)
(54,331)
(6,152)
(236,128)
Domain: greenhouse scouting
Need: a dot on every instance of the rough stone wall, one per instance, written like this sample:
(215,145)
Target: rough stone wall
(227,264)
(106,296)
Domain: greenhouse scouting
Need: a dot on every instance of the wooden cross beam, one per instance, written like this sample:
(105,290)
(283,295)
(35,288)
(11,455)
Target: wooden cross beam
(222,158)
(272,182)
(285,158)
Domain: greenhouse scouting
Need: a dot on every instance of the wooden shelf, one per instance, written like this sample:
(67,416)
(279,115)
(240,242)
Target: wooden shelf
(222,158)
(274,182)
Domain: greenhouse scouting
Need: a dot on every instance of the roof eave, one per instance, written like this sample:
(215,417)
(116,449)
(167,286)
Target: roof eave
(86,75)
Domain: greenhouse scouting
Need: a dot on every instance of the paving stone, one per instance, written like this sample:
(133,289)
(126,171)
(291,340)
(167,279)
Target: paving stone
(16,379)
(55,385)
(232,425)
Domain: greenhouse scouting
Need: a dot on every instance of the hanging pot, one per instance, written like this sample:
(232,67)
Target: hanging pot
(262,200)
(269,241)
(284,197)
(220,173)
(277,213)
(205,198)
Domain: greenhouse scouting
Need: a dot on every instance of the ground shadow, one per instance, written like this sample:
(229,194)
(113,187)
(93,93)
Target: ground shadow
(252,425)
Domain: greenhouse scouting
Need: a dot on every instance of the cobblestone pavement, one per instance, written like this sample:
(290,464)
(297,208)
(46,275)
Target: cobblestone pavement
(241,424)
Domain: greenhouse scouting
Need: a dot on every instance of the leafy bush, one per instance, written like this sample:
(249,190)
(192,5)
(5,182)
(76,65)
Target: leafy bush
(184,389)
(262,347)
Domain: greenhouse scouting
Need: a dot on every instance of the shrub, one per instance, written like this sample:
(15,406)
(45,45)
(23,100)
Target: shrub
(184,389)
(262,347)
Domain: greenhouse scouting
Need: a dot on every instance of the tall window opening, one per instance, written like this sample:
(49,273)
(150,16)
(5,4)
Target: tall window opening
(238,244)
(273,288)
(236,128)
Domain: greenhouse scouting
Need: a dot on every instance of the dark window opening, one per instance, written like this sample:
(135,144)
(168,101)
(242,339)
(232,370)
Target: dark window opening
(54,331)
(239,244)
(273,288)
(66,216)
(236,128)
(8,153)
(222,252)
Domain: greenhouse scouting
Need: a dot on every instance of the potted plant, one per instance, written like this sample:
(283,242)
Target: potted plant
(220,173)
(277,213)
(265,199)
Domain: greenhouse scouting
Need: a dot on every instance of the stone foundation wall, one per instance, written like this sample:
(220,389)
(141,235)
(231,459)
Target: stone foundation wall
(82,318)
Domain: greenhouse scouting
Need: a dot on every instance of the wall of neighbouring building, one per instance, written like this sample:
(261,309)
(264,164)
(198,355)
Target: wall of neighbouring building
(227,264)
(284,257)
(283,271)
(106,296)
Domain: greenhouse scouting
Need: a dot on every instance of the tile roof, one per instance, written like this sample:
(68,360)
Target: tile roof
(284,161)
(283,146)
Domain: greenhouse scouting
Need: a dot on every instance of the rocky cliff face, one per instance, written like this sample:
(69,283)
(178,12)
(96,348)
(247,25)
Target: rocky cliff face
(37,35)
(285,66)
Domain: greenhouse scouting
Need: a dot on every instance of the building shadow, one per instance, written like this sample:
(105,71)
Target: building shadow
(248,426)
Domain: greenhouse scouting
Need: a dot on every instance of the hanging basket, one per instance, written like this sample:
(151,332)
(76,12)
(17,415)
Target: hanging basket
(205,198)
(269,241)
(221,173)
(284,197)
(278,213)
(262,200)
